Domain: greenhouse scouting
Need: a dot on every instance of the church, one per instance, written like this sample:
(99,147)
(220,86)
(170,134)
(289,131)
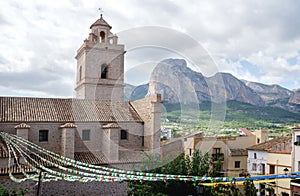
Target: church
(97,126)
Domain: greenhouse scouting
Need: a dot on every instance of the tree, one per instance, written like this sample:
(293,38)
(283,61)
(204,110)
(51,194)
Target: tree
(5,192)
(249,188)
(198,165)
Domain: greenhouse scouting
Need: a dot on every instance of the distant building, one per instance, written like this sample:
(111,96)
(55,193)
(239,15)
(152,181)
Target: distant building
(231,150)
(166,133)
(271,157)
(175,146)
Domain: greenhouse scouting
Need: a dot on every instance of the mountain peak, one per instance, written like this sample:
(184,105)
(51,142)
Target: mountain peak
(174,62)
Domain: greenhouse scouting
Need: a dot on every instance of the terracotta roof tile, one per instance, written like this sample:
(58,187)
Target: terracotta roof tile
(239,152)
(282,144)
(100,22)
(90,157)
(246,131)
(27,109)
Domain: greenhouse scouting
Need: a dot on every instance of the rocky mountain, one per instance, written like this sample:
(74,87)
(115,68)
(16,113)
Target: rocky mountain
(179,84)
(295,98)
(269,93)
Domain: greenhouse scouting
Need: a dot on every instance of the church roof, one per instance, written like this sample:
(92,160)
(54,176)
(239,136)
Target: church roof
(100,22)
(27,109)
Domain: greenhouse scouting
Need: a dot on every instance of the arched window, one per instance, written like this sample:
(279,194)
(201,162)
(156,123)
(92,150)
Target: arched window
(102,36)
(104,71)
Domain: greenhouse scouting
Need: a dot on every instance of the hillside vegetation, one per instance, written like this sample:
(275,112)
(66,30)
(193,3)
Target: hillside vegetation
(184,119)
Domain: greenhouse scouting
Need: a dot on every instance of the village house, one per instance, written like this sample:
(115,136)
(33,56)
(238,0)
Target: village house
(271,157)
(231,150)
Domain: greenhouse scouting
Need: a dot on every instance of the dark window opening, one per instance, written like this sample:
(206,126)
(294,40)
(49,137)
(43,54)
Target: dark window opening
(258,140)
(123,135)
(102,36)
(272,169)
(298,138)
(80,73)
(43,135)
(255,157)
(104,70)
(237,164)
(217,151)
(254,167)
(85,135)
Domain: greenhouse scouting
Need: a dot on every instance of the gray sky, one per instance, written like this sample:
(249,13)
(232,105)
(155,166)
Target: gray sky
(253,40)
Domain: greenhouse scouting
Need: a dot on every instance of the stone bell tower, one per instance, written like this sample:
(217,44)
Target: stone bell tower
(100,65)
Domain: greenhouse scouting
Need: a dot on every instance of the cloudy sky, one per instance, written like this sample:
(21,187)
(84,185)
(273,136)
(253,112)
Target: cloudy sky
(253,40)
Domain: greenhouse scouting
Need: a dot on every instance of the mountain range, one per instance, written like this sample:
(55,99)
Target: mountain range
(180,84)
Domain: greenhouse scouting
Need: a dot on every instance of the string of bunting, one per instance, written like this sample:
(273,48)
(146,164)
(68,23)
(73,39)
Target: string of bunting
(58,167)
(120,173)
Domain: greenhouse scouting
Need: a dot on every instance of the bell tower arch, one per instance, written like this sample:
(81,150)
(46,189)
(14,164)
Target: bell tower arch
(100,65)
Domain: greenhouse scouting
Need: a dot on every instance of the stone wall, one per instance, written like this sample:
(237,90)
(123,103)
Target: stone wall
(149,109)
(96,136)
(135,134)
(173,148)
(91,86)
(68,188)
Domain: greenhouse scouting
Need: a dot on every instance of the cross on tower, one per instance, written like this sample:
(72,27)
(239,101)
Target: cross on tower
(101,12)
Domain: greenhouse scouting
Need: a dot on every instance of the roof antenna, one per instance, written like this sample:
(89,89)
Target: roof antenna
(101,11)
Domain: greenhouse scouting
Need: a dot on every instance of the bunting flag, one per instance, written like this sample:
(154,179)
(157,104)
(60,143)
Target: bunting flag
(56,167)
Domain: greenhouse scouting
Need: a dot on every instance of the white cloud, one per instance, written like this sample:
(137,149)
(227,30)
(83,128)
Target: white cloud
(39,36)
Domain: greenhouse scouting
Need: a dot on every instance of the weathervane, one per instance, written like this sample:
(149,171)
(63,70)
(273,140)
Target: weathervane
(101,11)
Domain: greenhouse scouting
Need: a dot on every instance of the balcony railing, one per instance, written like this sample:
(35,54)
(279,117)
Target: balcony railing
(219,156)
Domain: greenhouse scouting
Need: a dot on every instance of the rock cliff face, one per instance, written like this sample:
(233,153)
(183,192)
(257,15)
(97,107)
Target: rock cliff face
(295,98)
(269,93)
(235,89)
(179,84)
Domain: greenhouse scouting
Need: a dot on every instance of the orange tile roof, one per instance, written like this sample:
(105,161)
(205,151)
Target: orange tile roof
(27,109)
(90,157)
(246,131)
(274,145)
(239,152)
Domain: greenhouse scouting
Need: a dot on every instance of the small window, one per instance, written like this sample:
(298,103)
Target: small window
(104,70)
(298,166)
(258,140)
(85,135)
(255,157)
(217,150)
(254,167)
(43,135)
(298,138)
(123,135)
(190,151)
(237,164)
(272,169)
